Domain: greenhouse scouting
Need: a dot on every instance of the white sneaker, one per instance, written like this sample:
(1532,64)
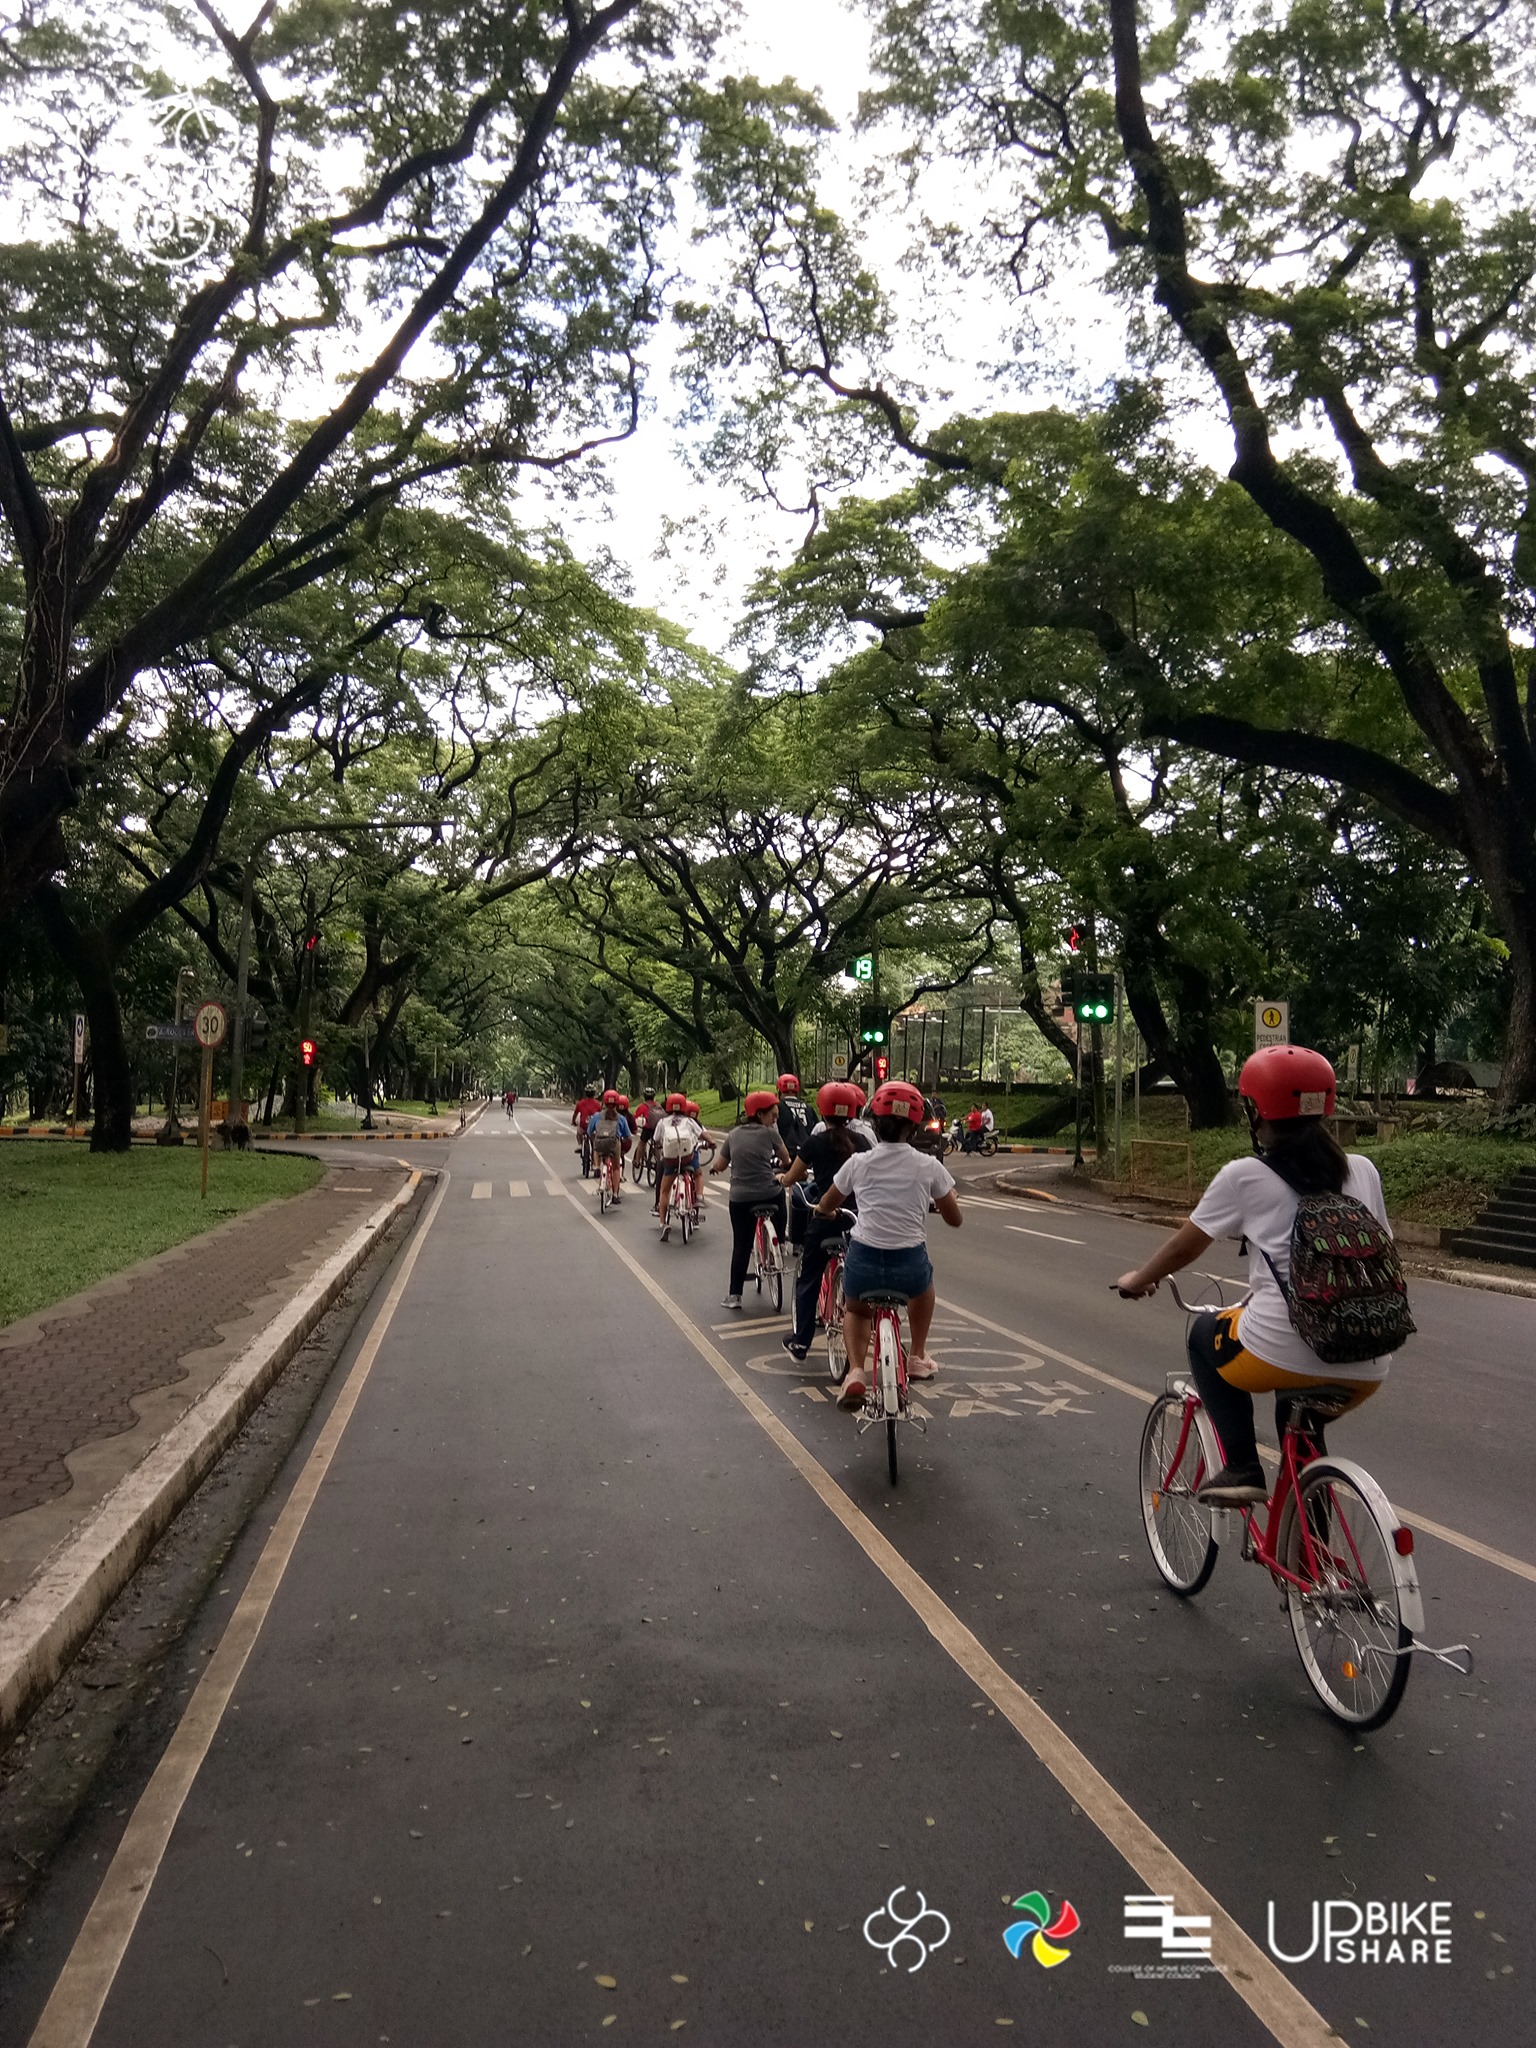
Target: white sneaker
(731,1301)
(920,1367)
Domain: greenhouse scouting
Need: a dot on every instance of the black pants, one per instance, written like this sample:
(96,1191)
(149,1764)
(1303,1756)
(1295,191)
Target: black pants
(743,1230)
(1211,1344)
(819,1232)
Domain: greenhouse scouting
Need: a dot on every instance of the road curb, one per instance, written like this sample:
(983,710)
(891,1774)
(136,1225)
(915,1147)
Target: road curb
(1495,1283)
(41,1631)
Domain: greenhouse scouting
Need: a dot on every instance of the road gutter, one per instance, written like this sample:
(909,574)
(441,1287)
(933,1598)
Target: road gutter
(41,1631)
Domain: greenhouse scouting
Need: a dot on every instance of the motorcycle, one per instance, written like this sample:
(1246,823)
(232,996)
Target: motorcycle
(962,1140)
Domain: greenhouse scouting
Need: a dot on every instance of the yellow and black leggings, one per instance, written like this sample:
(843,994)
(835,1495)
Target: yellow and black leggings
(1227,1378)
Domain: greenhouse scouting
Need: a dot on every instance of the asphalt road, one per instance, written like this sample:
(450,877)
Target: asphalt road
(610,1688)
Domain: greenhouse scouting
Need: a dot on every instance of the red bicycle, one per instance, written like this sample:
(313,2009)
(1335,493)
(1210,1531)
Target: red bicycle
(1328,1537)
(886,1400)
(829,1310)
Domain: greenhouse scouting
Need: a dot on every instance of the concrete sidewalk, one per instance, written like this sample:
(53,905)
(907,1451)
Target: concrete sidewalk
(89,1386)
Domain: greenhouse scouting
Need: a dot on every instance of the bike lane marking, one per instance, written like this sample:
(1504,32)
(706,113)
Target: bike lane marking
(1022,1230)
(83,1985)
(1263,1987)
(1454,1537)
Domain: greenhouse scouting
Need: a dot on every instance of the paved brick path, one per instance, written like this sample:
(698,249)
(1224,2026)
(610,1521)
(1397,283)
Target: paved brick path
(73,1381)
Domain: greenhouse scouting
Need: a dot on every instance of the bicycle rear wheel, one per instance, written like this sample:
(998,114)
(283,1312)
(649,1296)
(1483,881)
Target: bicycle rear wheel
(1179,1533)
(603,1196)
(586,1161)
(1348,1621)
(685,1220)
(775,1277)
(888,1381)
(837,1344)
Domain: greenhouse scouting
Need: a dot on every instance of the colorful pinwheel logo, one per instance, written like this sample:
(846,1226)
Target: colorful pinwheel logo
(1040,1930)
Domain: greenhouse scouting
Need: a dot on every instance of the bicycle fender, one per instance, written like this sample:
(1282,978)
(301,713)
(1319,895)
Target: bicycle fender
(1404,1569)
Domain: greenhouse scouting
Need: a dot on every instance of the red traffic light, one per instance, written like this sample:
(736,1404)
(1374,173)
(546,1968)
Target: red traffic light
(307,1051)
(1075,939)
(311,942)
(882,1067)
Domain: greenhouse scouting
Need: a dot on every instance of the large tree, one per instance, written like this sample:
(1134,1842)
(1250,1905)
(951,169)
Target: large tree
(1292,206)
(212,378)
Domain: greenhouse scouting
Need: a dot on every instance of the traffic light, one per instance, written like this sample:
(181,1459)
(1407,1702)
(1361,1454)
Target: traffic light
(308,1051)
(874,1025)
(882,1067)
(256,1029)
(1093,998)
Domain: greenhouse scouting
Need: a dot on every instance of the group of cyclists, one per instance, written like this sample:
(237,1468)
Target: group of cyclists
(859,1177)
(859,1171)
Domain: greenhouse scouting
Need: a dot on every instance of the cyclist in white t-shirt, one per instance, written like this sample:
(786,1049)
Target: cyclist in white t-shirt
(1286,1091)
(895,1186)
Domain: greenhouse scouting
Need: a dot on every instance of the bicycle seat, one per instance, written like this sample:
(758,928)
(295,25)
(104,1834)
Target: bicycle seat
(1327,1402)
(883,1298)
(768,1209)
(835,1247)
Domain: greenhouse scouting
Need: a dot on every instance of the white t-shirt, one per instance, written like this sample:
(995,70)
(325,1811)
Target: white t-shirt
(1248,1199)
(893,1185)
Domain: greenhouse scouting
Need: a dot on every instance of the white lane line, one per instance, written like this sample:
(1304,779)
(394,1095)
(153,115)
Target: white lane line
(1470,1544)
(1268,1994)
(517,1187)
(553,1187)
(481,1191)
(81,1990)
(1054,1235)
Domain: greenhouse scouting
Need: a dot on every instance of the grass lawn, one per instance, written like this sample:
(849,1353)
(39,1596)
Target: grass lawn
(69,1217)
(1434,1177)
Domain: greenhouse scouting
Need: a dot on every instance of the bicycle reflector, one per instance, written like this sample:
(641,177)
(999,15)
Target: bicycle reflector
(1402,1542)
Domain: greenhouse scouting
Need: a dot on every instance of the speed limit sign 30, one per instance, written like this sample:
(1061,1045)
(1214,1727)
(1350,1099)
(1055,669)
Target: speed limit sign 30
(209,1024)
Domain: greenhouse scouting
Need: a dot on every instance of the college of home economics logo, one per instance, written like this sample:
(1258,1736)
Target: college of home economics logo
(1183,1939)
(907,1938)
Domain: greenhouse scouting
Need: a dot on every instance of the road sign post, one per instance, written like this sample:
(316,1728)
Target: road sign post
(79,1064)
(1271,1023)
(209,1024)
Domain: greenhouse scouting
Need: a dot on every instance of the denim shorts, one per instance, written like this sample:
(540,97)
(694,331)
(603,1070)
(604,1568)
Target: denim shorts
(867,1269)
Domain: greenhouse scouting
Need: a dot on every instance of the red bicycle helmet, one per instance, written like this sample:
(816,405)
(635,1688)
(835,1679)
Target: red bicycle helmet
(789,1084)
(610,1098)
(859,1095)
(676,1103)
(759,1100)
(691,1108)
(1283,1081)
(898,1098)
(839,1101)
(623,1102)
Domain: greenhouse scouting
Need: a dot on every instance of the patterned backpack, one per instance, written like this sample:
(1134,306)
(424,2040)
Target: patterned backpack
(1347,1298)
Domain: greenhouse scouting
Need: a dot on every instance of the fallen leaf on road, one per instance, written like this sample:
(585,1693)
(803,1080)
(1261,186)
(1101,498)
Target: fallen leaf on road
(610,1983)
(809,1925)
(340,1997)
(1140,2019)
(676,1979)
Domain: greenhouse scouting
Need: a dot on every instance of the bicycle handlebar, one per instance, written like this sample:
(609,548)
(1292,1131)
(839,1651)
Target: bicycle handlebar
(1190,1308)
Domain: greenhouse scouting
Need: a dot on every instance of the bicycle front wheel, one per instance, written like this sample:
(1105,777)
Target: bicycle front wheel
(1347,1617)
(1179,1532)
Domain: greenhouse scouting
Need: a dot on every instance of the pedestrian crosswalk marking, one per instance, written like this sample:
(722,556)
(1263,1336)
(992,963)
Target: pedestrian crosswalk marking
(517,1187)
(481,1191)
